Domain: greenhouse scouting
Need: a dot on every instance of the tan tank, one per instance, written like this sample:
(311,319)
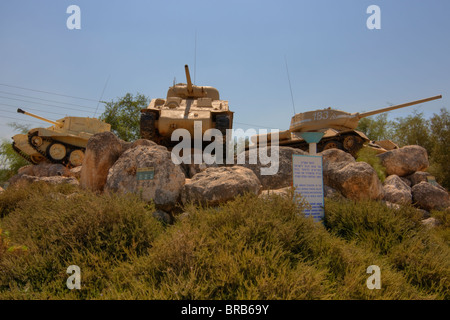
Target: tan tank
(64,142)
(338,128)
(185,105)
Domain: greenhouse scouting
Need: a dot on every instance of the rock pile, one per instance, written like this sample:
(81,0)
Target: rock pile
(113,165)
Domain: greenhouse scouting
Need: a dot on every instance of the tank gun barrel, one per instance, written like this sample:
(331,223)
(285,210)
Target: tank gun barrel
(371,113)
(188,79)
(38,117)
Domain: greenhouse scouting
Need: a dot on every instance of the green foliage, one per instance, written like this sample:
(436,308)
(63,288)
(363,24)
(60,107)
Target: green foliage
(124,115)
(422,255)
(433,134)
(10,161)
(413,130)
(439,153)
(248,248)
(370,156)
(378,128)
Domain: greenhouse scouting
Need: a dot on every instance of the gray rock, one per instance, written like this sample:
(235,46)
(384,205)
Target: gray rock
(214,186)
(404,161)
(163,188)
(162,216)
(396,190)
(102,151)
(428,197)
(25,179)
(431,222)
(283,192)
(283,176)
(354,180)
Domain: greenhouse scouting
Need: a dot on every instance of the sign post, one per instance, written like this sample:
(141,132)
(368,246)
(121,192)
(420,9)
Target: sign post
(308,183)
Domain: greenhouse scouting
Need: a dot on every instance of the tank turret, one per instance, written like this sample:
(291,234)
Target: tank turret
(64,142)
(185,104)
(338,128)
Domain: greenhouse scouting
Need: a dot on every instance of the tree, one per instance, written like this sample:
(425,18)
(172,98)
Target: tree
(124,115)
(440,141)
(378,128)
(10,161)
(413,130)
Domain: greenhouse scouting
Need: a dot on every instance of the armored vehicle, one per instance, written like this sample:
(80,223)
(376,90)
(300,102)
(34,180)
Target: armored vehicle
(186,106)
(64,142)
(338,128)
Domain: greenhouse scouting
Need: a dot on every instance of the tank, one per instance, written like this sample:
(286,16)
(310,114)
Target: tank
(64,142)
(184,106)
(338,128)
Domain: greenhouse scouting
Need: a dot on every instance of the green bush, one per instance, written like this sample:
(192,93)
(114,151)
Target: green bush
(248,248)
(370,156)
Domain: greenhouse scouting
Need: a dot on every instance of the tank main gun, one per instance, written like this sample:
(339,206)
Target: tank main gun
(403,105)
(59,124)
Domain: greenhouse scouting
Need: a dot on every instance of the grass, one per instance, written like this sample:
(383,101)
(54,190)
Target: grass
(249,248)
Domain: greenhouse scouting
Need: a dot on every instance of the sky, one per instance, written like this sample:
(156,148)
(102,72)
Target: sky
(254,52)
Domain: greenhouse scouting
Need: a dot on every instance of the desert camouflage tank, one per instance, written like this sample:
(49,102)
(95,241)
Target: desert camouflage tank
(186,105)
(338,128)
(64,142)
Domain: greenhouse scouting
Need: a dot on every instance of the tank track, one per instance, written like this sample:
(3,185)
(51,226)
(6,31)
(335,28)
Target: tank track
(22,154)
(65,161)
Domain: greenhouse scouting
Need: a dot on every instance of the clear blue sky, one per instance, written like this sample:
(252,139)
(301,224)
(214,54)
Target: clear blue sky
(334,60)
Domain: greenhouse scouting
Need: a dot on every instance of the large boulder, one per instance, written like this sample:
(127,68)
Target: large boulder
(163,184)
(429,197)
(354,180)
(282,167)
(396,190)
(102,151)
(218,185)
(405,161)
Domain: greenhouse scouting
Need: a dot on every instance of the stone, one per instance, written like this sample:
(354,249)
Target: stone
(162,216)
(428,197)
(396,190)
(163,188)
(283,176)
(283,192)
(418,177)
(25,179)
(45,169)
(76,172)
(406,181)
(331,193)
(404,161)
(431,222)
(354,180)
(214,186)
(102,151)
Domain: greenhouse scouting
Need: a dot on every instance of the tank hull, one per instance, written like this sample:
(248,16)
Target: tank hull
(63,143)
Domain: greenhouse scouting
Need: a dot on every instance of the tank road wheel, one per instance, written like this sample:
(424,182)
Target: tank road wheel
(76,157)
(147,126)
(223,123)
(56,151)
(36,141)
(333,144)
(352,144)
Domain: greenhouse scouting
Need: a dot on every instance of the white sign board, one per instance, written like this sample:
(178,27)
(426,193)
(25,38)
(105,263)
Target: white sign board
(308,183)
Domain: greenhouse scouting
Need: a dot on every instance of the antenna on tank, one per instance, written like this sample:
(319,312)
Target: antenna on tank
(195,55)
(289,79)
